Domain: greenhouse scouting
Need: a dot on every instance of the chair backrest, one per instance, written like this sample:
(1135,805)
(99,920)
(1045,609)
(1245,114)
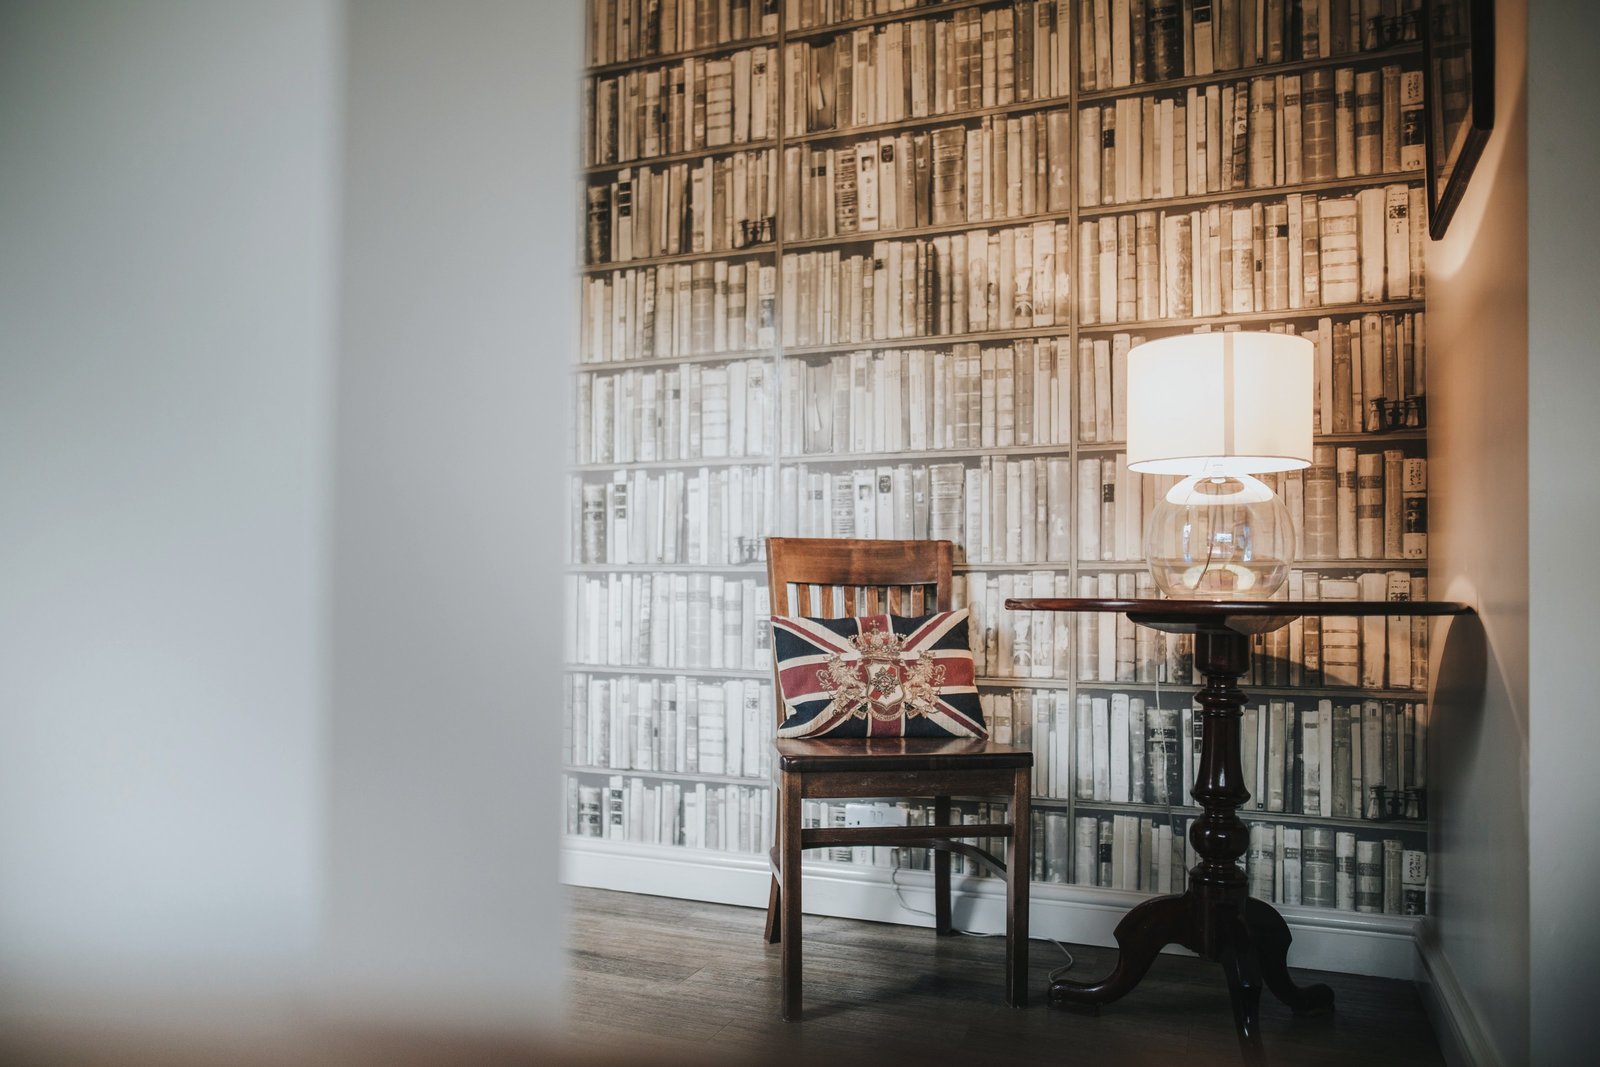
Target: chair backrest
(838,577)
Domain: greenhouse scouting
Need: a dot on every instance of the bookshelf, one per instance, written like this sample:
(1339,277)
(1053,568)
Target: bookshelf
(894,299)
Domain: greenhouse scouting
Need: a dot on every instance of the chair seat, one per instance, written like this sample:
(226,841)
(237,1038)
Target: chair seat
(804,755)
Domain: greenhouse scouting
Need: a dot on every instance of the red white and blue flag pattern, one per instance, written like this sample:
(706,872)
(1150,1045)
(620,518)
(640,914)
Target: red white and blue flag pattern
(877,676)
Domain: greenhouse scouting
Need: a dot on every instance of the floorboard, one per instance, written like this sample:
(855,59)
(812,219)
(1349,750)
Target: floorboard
(653,979)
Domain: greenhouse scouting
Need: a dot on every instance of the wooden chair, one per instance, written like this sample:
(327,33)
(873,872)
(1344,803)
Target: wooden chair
(833,578)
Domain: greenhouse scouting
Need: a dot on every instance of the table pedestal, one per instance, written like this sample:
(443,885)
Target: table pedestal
(1215,917)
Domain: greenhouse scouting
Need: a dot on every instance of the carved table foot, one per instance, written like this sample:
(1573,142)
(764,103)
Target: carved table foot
(1270,937)
(1242,969)
(1141,935)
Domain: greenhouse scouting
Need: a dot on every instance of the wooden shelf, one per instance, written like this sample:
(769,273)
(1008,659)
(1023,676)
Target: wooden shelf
(615,365)
(812,244)
(1331,311)
(1192,811)
(1139,566)
(665,568)
(693,155)
(692,672)
(1415,433)
(1337,694)
(1023,451)
(672,464)
(758,782)
(1273,192)
(732,255)
(910,14)
(972,116)
(907,455)
(1372,57)
(1325,311)
(604,70)
(928,341)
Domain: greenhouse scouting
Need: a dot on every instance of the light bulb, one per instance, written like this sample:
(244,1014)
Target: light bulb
(1220,536)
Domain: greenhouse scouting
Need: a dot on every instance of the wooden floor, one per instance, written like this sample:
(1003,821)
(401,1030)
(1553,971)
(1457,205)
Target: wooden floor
(659,980)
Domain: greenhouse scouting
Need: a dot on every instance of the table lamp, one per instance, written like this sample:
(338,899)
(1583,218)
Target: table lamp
(1217,409)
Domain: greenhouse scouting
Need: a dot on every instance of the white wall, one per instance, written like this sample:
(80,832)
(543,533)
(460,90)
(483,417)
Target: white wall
(284,296)
(1564,515)
(166,215)
(459,243)
(1477,931)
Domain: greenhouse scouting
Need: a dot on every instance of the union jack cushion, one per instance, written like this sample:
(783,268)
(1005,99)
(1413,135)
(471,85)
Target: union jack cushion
(877,676)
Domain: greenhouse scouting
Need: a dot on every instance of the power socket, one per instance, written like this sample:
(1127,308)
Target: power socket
(859,814)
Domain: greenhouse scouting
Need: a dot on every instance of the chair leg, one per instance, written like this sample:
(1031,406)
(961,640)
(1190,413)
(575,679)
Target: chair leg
(1018,871)
(774,931)
(941,872)
(789,893)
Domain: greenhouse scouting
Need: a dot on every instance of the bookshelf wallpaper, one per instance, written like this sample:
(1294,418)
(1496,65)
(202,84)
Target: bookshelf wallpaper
(871,268)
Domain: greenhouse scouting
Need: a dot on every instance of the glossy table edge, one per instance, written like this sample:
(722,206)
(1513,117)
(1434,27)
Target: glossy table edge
(1223,609)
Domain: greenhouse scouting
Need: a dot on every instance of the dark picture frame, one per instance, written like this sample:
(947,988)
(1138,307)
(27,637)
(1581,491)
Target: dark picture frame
(1458,61)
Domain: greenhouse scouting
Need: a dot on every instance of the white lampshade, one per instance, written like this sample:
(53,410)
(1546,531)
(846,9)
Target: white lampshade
(1224,403)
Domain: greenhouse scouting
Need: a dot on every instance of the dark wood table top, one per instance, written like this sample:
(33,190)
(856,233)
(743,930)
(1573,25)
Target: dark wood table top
(1240,616)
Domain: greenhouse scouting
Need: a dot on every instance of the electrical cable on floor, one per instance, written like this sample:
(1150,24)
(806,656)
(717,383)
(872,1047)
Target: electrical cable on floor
(899,893)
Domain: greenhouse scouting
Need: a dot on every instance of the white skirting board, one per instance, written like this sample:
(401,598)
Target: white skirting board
(1381,945)
(1461,1039)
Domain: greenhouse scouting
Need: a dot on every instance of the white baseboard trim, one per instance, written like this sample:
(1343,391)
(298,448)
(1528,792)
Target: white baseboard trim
(1461,1039)
(1381,945)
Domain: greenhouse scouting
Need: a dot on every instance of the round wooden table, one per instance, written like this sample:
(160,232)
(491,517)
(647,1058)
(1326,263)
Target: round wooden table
(1216,917)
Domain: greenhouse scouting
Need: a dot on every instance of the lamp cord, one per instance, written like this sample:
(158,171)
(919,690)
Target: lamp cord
(899,892)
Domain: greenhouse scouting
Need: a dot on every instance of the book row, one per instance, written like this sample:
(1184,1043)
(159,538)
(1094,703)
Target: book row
(707,621)
(1044,721)
(1312,866)
(722,818)
(1298,252)
(1016,394)
(1000,511)
(708,517)
(1369,875)
(1331,653)
(1362,760)
(1348,505)
(915,69)
(672,621)
(693,105)
(1000,168)
(1132,42)
(1363,505)
(676,413)
(821,14)
(1267,131)
(714,205)
(677,310)
(671,725)
(1356,761)
(1351,761)
(922,67)
(1369,375)
(623,30)
(1013,278)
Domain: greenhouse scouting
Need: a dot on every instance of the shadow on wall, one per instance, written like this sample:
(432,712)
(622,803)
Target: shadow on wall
(1463,673)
